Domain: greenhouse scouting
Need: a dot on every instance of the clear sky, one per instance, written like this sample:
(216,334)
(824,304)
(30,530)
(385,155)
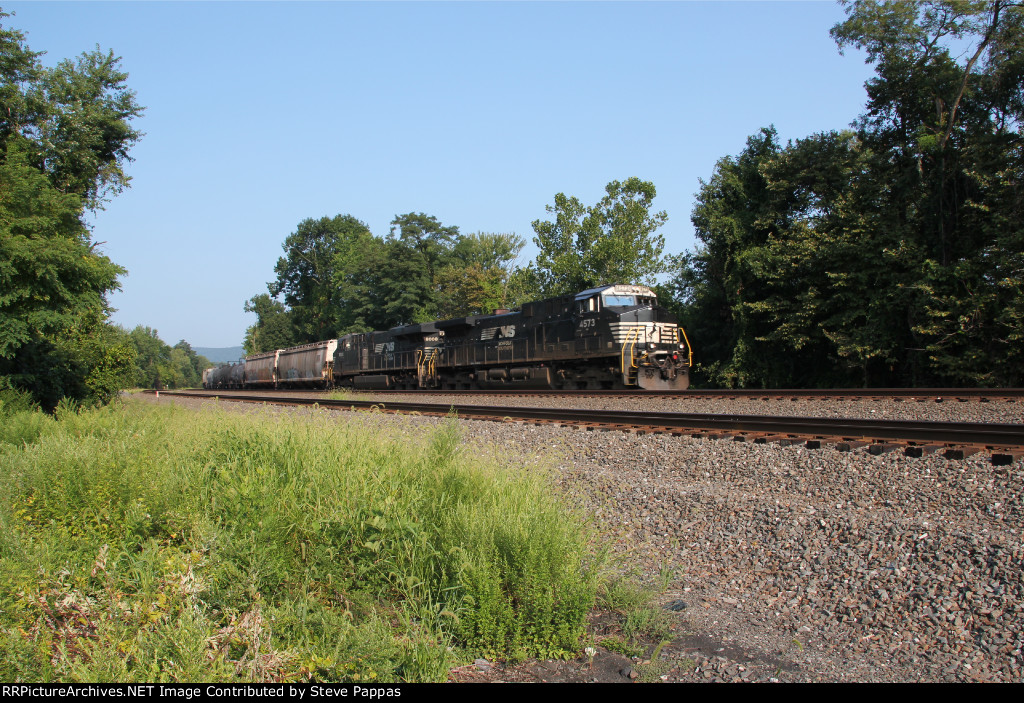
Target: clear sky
(261,114)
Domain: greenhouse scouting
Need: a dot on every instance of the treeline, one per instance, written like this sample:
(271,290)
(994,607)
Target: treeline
(891,254)
(158,365)
(337,277)
(887,254)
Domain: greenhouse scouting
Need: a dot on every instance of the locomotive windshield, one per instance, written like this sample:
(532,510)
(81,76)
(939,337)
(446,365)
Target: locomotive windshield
(628,300)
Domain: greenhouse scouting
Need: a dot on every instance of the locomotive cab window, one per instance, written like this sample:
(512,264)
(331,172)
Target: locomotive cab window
(620,300)
(588,305)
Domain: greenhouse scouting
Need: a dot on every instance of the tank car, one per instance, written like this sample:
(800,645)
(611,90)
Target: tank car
(225,376)
(613,336)
(236,378)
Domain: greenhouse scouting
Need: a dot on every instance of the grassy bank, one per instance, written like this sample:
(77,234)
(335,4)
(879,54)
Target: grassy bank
(144,543)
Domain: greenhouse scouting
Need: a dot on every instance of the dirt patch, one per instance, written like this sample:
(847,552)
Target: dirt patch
(687,657)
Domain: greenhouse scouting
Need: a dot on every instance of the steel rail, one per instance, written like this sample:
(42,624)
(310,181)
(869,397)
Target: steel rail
(938,394)
(873,430)
(915,394)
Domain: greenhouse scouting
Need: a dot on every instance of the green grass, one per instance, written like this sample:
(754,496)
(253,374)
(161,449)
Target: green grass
(144,543)
(641,620)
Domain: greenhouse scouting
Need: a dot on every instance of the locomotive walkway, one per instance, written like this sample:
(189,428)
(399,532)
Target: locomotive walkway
(954,440)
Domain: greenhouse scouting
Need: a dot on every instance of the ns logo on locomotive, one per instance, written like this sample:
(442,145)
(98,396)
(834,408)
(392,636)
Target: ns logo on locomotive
(610,337)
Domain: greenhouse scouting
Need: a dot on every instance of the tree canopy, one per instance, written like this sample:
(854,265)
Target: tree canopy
(158,365)
(337,277)
(613,241)
(890,254)
(65,136)
(273,329)
(317,254)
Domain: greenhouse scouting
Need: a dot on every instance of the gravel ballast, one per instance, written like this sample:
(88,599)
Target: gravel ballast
(926,409)
(798,564)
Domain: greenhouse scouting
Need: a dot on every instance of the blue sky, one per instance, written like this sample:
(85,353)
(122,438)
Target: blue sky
(261,114)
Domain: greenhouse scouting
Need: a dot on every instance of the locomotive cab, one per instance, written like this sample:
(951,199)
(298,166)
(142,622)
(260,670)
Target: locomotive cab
(653,351)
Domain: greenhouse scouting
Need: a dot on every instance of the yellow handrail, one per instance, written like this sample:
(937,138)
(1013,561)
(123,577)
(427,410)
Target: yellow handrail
(689,349)
(630,342)
(426,364)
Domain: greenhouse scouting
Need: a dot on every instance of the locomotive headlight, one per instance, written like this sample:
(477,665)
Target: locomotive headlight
(681,347)
(650,345)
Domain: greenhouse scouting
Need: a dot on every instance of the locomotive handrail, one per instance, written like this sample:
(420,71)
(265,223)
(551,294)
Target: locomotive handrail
(622,355)
(630,342)
(689,349)
(426,364)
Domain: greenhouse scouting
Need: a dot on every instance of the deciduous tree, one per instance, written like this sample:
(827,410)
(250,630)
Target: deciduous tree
(65,136)
(317,255)
(887,255)
(613,241)
(476,279)
(273,328)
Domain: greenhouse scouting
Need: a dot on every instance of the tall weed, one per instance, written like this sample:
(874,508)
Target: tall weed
(231,547)
(20,419)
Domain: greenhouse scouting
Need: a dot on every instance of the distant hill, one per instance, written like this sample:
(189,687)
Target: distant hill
(221,355)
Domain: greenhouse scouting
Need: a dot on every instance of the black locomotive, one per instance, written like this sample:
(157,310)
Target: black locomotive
(608,337)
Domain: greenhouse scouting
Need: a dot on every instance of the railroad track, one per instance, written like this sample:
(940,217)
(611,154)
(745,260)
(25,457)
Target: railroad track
(1004,443)
(919,395)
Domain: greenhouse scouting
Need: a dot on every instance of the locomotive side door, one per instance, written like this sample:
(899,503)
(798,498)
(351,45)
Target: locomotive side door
(586,323)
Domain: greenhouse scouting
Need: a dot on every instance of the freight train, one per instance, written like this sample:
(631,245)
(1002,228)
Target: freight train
(610,337)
